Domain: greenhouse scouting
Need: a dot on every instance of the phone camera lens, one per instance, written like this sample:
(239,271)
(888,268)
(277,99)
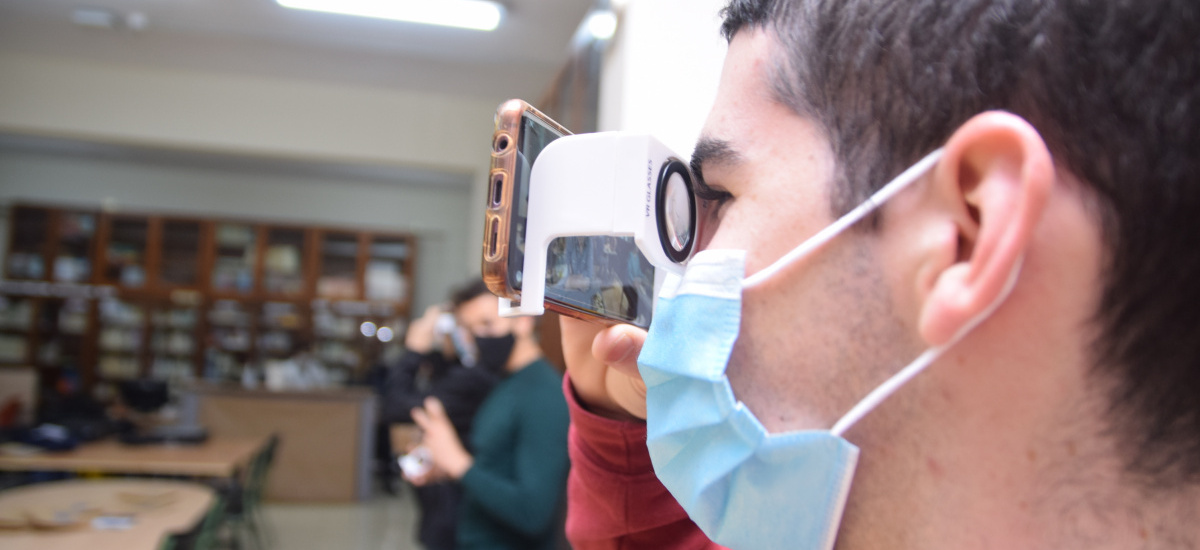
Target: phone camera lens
(501,143)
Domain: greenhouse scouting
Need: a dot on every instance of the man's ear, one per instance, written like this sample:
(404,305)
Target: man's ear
(997,174)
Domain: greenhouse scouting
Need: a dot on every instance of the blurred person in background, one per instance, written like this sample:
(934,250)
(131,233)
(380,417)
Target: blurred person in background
(432,366)
(513,466)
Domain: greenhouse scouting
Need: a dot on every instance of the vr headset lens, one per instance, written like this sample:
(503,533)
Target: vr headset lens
(676,211)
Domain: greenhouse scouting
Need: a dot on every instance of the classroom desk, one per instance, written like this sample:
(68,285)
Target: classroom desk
(158,508)
(219,457)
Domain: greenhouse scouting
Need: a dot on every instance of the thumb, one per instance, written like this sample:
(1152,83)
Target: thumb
(619,347)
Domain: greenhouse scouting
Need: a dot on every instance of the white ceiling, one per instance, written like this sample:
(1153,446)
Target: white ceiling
(519,59)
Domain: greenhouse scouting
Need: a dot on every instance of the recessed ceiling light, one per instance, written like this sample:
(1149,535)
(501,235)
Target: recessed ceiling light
(467,14)
(602,24)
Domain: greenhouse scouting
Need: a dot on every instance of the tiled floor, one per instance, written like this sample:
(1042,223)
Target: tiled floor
(381,523)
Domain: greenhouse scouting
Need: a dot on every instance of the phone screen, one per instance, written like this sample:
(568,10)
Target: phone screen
(606,276)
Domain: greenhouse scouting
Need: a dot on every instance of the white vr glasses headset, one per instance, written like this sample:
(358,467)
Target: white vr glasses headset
(609,183)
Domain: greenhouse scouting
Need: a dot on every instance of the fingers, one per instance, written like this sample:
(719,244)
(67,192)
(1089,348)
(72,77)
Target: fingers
(603,367)
(433,413)
(587,373)
(434,407)
(628,392)
(420,418)
(421,332)
(441,440)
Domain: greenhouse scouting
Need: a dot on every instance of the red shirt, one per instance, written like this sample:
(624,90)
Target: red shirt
(614,501)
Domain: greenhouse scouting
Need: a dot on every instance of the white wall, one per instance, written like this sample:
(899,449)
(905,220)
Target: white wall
(135,106)
(661,74)
(246,115)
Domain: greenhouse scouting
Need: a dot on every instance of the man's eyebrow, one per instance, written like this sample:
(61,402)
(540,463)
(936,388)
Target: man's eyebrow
(710,151)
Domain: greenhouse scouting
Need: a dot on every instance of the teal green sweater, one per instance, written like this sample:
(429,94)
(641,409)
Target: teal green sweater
(513,493)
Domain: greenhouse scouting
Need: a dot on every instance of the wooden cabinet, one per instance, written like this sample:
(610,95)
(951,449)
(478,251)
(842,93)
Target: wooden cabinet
(115,296)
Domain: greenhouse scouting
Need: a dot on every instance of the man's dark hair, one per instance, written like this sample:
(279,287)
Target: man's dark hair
(468,291)
(1111,86)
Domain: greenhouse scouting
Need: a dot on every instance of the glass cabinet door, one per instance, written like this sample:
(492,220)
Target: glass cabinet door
(227,346)
(73,259)
(26,254)
(125,260)
(283,262)
(180,253)
(122,330)
(339,267)
(62,330)
(16,321)
(173,346)
(387,267)
(282,331)
(338,340)
(233,265)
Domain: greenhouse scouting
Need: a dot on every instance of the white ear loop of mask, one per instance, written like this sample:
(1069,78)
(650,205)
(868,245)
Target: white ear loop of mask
(891,385)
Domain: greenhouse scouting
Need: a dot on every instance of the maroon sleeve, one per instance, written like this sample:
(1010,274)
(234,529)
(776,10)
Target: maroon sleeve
(614,502)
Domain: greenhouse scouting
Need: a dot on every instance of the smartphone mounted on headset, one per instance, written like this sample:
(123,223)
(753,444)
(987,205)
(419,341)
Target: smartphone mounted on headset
(592,272)
(520,135)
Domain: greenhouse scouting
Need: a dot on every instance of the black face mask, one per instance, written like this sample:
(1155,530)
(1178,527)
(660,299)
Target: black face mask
(494,351)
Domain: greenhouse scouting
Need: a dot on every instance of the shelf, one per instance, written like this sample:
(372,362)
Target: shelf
(124,260)
(76,233)
(26,253)
(283,262)
(105,292)
(233,266)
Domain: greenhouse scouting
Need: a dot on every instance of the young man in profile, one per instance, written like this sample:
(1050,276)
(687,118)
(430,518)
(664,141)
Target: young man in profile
(1046,254)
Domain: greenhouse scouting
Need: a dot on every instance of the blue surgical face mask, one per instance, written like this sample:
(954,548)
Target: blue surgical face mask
(745,487)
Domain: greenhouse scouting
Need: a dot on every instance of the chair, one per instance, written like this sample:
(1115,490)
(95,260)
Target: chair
(206,538)
(243,513)
(203,536)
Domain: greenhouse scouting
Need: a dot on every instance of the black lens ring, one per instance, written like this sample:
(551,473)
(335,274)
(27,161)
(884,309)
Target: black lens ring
(671,167)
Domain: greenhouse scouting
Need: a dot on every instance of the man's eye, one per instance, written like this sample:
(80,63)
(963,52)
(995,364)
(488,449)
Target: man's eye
(711,200)
(712,197)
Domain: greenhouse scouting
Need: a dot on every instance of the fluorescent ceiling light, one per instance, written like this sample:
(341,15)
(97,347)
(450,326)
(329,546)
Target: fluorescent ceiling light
(466,14)
(95,17)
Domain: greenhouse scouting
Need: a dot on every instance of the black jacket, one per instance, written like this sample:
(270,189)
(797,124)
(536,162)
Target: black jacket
(460,389)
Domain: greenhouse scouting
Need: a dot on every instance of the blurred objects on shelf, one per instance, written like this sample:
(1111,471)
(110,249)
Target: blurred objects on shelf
(126,253)
(233,267)
(283,261)
(122,295)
